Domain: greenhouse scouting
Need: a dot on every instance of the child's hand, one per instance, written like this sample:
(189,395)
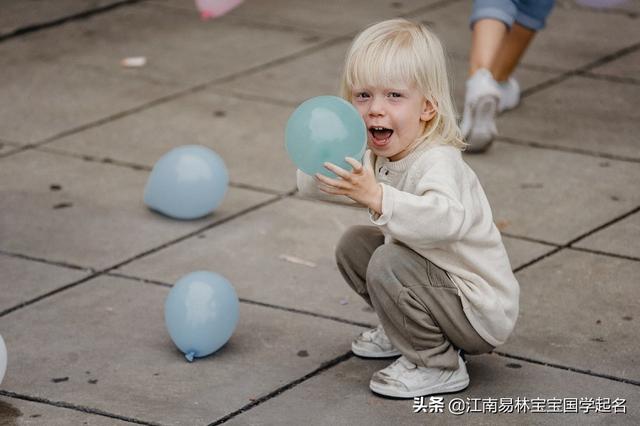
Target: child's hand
(359,184)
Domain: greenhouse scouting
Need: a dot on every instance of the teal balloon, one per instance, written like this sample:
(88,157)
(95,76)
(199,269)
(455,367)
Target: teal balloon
(201,313)
(187,182)
(325,129)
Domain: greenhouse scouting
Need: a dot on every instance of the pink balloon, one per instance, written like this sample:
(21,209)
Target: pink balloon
(214,8)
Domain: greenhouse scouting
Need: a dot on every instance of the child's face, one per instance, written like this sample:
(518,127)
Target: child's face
(394,117)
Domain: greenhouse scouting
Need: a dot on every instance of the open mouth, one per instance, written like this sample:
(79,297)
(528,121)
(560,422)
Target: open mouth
(380,135)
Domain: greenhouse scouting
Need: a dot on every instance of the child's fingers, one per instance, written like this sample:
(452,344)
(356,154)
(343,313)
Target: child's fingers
(357,167)
(337,170)
(335,183)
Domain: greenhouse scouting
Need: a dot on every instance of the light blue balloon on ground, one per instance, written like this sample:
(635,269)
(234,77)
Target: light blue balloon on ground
(325,129)
(201,313)
(187,182)
(3,359)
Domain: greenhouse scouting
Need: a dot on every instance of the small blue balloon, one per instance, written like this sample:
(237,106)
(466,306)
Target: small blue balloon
(187,182)
(201,312)
(325,129)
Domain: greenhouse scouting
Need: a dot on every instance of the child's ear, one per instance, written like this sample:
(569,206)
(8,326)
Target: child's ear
(429,111)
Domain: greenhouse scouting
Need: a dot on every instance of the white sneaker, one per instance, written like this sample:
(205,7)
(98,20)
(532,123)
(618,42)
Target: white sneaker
(374,343)
(404,379)
(509,94)
(480,108)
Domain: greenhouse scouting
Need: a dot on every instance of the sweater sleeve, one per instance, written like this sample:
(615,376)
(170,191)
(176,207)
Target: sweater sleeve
(432,213)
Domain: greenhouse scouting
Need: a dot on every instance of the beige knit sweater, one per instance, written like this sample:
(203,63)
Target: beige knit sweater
(433,203)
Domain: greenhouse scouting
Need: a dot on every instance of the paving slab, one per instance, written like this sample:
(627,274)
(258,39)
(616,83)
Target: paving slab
(97,217)
(621,238)
(572,38)
(253,149)
(341,396)
(333,17)
(319,73)
(21,14)
(282,254)
(553,196)
(627,66)
(604,117)
(522,252)
(8,147)
(23,279)
(579,310)
(17,412)
(59,97)
(199,50)
(70,75)
(315,74)
(108,339)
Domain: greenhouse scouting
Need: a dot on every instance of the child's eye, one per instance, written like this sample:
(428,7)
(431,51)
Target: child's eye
(395,95)
(361,95)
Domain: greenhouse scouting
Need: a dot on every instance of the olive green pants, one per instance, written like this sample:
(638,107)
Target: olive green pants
(416,301)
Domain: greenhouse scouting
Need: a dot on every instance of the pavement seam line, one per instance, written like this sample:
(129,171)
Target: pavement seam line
(46,261)
(602,253)
(50,293)
(571,150)
(569,245)
(577,71)
(198,231)
(603,226)
(529,239)
(69,406)
(179,94)
(142,167)
(323,367)
(572,369)
(365,325)
(65,19)
(610,78)
(105,271)
(251,302)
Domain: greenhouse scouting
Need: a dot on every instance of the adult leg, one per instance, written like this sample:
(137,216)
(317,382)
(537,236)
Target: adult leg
(486,41)
(511,50)
(531,17)
(490,20)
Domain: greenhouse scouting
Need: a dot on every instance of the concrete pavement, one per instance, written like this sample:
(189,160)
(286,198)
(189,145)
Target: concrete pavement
(85,266)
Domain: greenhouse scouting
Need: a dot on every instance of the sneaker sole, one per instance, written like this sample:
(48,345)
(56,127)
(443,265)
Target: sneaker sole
(452,387)
(365,354)
(483,127)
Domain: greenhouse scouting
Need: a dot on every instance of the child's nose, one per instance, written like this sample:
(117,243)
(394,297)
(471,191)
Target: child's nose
(376,107)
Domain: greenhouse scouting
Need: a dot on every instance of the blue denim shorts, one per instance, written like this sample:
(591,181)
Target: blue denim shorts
(531,14)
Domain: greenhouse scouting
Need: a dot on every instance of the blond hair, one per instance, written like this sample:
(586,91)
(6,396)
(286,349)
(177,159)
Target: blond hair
(400,51)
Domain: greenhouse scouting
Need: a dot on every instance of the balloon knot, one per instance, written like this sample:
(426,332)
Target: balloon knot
(189,356)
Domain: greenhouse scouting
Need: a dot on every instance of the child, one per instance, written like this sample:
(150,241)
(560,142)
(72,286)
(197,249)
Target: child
(432,266)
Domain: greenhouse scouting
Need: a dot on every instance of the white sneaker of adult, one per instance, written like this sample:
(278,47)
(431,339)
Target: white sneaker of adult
(480,108)
(373,343)
(509,94)
(404,379)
